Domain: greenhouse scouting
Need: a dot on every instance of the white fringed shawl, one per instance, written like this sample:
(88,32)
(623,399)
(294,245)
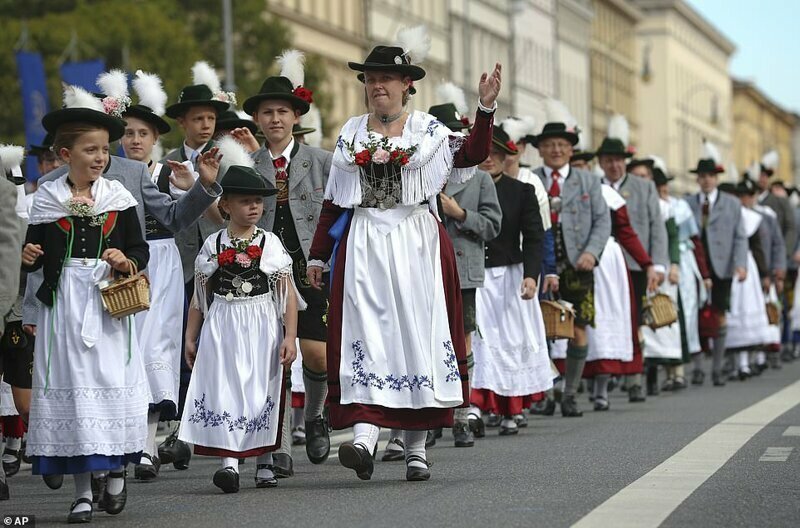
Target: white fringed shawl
(426,173)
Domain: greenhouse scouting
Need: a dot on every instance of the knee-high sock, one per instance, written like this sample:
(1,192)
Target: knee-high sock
(415,445)
(576,359)
(152,427)
(678,371)
(744,361)
(697,361)
(601,386)
(316,384)
(286,430)
(230,462)
(83,490)
(264,460)
(719,349)
(461,415)
(635,380)
(298,417)
(367,435)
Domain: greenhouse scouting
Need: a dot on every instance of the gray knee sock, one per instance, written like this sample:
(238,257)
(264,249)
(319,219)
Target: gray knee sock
(719,349)
(576,359)
(697,361)
(601,386)
(635,380)
(316,384)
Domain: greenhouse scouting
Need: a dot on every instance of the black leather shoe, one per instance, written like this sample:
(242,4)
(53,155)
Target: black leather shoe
(394,455)
(462,435)
(569,408)
(318,443)
(679,383)
(718,379)
(262,482)
(356,457)
(147,471)
(520,420)
(668,385)
(81,517)
(635,394)
(417,474)
(282,465)
(698,377)
(11,468)
(175,452)
(4,493)
(477,427)
(430,439)
(508,427)
(494,420)
(601,405)
(53,482)
(227,479)
(114,504)
(744,375)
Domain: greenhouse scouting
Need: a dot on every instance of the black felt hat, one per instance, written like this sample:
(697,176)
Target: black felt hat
(239,179)
(707,166)
(613,147)
(62,116)
(727,187)
(389,58)
(502,141)
(146,114)
(279,88)
(636,162)
(38,150)
(300,130)
(746,187)
(559,130)
(582,155)
(660,177)
(228,120)
(447,114)
(195,95)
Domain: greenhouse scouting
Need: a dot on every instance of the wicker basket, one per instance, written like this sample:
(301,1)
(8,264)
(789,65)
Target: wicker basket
(659,311)
(773,313)
(559,319)
(126,295)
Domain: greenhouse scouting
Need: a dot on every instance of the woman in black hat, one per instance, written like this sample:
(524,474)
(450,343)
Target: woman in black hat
(90,392)
(396,347)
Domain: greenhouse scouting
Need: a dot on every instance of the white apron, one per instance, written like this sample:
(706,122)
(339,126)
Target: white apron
(158,327)
(611,335)
(298,383)
(396,349)
(97,396)
(7,407)
(665,342)
(747,318)
(510,349)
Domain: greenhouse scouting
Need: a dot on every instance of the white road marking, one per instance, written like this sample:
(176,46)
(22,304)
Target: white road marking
(648,501)
(776,454)
(793,430)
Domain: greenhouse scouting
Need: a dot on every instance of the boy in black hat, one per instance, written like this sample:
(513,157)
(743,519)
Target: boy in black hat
(299,173)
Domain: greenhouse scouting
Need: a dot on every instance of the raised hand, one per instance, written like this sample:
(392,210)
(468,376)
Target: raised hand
(489,86)
(182,176)
(208,166)
(246,138)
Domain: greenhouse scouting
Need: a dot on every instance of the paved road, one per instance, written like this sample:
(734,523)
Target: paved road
(555,473)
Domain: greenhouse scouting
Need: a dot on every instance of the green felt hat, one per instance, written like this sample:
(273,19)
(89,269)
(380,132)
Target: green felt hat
(299,130)
(636,162)
(228,120)
(146,114)
(502,141)
(613,147)
(195,95)
(239,179)
(582,155)
(559,130)
(280,88)
(447,114)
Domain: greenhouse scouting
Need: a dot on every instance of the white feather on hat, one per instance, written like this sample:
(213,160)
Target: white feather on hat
(114,84)
(710,151)
(416,43)
(11,157)
(557,112)
(658,163)
(241,114)
(233,153)
(618,128)
(754,170)
(517,128)
(77,97)
(581,141)
(150,91)
(733,172)
(292,63)
(770,160)
(313,119)
(203,73)
(450,93)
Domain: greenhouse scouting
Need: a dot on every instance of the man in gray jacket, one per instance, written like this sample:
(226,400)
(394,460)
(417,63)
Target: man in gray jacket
(718,215)
(641,199)
(582,225)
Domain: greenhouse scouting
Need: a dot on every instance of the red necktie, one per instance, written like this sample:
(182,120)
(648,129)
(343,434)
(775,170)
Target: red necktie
(705,212)
(281,178)
(555,192)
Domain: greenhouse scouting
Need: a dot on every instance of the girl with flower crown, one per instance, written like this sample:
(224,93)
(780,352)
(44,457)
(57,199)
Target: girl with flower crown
(89,390)
(396,347)
(246,302)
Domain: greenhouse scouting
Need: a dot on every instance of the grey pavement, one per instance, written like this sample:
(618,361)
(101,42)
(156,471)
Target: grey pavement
(552,474)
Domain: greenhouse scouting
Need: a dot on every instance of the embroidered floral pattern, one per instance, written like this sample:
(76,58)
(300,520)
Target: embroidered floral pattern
(210,418)
(398,382)
(432,126)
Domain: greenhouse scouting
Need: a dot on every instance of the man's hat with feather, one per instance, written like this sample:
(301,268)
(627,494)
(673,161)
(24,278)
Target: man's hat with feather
(616,141)
(231,119)
(412,48)
(206,90)
(152,99)
(81,106)
(11,157)
(287,86)
(769,162)
(451,108)
(560,124)
(711,162)
(237,169)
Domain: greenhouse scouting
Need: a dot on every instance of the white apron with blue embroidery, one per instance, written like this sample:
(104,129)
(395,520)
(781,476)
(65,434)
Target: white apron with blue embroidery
(396,349)
(234,397)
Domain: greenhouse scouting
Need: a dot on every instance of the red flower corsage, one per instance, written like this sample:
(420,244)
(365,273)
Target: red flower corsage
(399,157)
(253,252)
(363,158)
(305,94)
(226,257)
(511,145)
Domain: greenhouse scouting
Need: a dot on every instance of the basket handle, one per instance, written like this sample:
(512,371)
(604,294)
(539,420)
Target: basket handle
(131,264)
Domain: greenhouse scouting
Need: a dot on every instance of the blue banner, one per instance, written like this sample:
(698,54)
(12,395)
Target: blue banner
(83,74)
(34,103)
